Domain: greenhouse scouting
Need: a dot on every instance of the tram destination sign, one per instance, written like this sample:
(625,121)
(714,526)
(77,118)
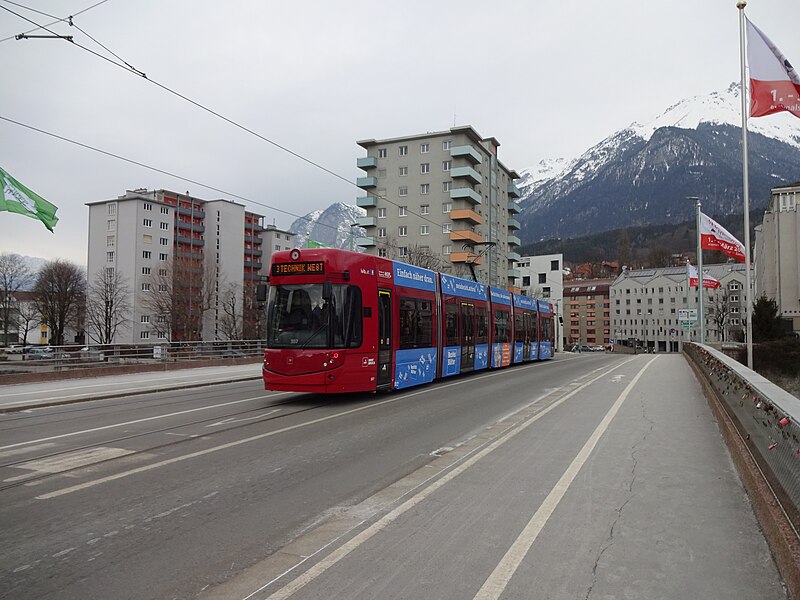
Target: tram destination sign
(316,267)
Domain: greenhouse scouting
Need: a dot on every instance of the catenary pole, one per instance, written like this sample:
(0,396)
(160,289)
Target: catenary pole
(748,301)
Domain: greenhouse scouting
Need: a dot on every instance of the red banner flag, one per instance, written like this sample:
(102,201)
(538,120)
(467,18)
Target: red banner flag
(708,281)
(714,236)
(774,84)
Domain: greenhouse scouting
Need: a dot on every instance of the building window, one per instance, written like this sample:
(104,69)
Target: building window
(554,265)
(402,231)
(144,319)
(145,270)
(402,251)
(526,281)
(403,150)
(112,224)
(447,249)
(162,256)
(110,256)
(403,191)
(382,252)
(145,287)
(447,186)
(164,226)
(402,211)
(381,232)
(148,206)
(446,165)
(381,152)
(144,335)
(164,210)
(542,277)
(734,298)
(382,213)
(147,222)
(163,241)
(425,168)
(424,148)
(162,288)
(147,239)
(424,188)
(425,209)
(447,228)
(424,229)
(146,254)
(447,207)
(277,246)
(112,210)
(110,241)
(403,171)
(447,144)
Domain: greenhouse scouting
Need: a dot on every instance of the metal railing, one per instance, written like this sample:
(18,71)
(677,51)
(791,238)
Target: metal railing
(768,416)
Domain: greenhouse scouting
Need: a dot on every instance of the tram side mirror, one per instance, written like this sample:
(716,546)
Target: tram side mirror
(327,290)
(261,292)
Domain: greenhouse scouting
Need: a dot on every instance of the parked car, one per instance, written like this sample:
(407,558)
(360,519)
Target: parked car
(89,353)
(46,353)
(15,349)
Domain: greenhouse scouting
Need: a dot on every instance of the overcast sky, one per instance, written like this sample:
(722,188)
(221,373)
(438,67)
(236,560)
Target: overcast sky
(548,79)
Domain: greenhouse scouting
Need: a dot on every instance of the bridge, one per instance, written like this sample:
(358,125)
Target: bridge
(589,476)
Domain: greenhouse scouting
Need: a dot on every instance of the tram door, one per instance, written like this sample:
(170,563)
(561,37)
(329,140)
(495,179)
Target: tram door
(527,319)
(384,338)
(467,337)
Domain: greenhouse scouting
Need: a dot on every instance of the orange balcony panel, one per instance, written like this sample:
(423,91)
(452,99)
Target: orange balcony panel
(465,235)
(462,257)
(465,213)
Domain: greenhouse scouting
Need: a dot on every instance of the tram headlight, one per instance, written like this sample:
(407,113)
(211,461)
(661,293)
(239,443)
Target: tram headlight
(295,254)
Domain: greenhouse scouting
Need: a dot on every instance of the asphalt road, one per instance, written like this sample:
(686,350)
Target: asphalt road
(229,491)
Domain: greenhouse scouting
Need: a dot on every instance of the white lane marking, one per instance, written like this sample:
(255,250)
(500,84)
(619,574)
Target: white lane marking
(63,552)
(165,378)
(182,412)
(496,583)
(235,420)
(338,554)
(69,461)
(254,438)
(617,378)
(26,450)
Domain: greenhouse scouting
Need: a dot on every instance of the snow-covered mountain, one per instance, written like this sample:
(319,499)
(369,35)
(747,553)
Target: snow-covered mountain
(642,174)
(332,226)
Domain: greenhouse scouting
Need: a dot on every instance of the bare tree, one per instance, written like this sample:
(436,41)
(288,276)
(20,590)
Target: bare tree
(60,294)
(157,299)
(719,311)
(230,321)
(14,274)
(107,305)
(659,257)
(29,318)
(253,314)
(423,256)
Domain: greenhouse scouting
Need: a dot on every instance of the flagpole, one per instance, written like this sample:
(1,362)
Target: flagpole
(701,316)
(746,185)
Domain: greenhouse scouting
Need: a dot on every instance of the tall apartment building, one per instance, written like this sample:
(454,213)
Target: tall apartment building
(444,194)
(188,263)
(777,253)
(587,319)
(646,304)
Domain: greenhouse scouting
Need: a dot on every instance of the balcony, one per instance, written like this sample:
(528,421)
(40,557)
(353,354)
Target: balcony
(366,221)
(365,241)
(513,191)
(366,162)
(190,241)
(367,182)
(253,252)
(466,236)
(189,212)
(514,241)
(190,226)
(513,207)
(513,256)
(514,273)
(465,214)
(513,224)
(467,173)
(257,265)
(367,201)
(465,257)
(468,152)
(253,240)
(466,194)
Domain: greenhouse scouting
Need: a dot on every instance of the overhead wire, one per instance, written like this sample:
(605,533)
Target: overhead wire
(57,20)
(128,67)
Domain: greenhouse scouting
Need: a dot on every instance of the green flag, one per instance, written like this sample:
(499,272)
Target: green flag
(315,244)
(15,197)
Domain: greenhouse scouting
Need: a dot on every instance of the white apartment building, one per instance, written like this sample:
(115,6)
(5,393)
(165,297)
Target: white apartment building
(645,305)
(543,277)
(171,245)
(444,194)
(777,253)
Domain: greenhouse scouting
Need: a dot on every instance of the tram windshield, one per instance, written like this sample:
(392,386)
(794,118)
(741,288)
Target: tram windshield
(314,316)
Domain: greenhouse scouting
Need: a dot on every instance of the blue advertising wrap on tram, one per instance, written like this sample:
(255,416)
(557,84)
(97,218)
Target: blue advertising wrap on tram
(414,367)
(546,346)
(525,303)
(481,356)
(463,288)
(414,277)
(452,361)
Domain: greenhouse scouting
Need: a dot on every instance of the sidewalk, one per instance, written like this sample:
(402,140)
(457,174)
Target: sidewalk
(23,396)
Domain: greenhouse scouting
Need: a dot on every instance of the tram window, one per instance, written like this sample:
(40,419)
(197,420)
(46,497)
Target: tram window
(451,325)
(519,327)
(501,322)
(532,326)
(546,322)
(416,323)
(481,334)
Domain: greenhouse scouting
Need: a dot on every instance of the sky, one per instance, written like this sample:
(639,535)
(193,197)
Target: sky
(548,79)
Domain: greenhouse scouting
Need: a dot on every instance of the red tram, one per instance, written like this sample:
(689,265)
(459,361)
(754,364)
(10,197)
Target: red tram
(340,321)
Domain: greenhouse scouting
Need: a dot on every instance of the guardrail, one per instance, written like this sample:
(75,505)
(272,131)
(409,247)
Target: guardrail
(768,419)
